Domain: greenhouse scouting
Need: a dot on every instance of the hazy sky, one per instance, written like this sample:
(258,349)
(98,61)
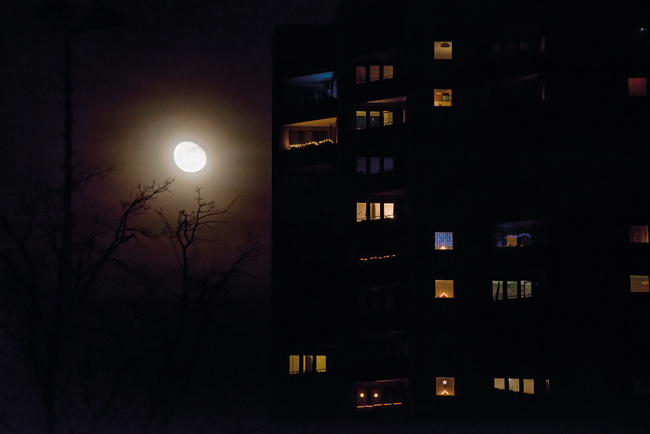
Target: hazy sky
(176,70)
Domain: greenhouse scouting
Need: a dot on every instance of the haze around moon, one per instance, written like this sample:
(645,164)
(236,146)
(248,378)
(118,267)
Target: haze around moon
(190,157)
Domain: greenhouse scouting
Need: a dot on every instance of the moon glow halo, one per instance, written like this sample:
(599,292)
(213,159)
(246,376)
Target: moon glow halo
(190,157)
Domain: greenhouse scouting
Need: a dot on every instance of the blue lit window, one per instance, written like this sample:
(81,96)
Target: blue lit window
(444,241)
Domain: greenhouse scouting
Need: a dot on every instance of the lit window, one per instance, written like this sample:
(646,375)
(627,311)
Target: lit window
(497,289)
(388,118)
(361,211)
(321,363)
(529,386)
(637,86)
(388,72)
(444,241)
(442,50)
(445,386)
(519,234)
(511,240)
(374,119)
(442,97)
(294,364)
(361,74)
(444,289)
(515,385)
(511,288)
(375,211)
(361,119)
(389,210)
(639,283)
(374,72)
(639,234)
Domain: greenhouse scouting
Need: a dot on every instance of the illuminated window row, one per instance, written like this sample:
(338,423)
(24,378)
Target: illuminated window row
(366,73)
(516,385)
(511,289)
(639,283)
(371,165)
(374,118)
(307,364)
(375,211)
(639,234)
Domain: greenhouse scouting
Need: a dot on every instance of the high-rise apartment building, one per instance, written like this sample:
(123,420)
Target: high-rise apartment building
(461,211)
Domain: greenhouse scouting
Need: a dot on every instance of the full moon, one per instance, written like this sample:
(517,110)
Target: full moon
(190,157)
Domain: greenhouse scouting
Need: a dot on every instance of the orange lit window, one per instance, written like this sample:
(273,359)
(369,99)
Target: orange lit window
(513,384)
(500,383)
(639,283)
(375,211)
(321,363)
(387,72)
(442,97)
(529,386)
(374,72)
(445,386)
(294,364)
(639,234)
(637,86)
(444,289)
(442,50)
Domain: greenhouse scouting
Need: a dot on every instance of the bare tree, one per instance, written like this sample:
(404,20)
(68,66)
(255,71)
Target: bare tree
(195,296)
(39,307)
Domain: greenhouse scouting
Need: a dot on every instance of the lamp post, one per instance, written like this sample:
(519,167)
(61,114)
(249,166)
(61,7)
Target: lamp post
(59,14)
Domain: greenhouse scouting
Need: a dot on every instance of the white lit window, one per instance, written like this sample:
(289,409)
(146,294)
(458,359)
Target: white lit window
(445,386)
(444,288)
(442,97)
(639,283)
(639,234)
(526,288)
(442,50)
(497,289)
(511,288)
(444,240)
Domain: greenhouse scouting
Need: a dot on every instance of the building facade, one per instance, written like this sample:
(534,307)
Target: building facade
(460,217)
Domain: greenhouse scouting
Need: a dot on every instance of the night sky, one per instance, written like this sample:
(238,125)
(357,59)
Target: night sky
(175,70)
